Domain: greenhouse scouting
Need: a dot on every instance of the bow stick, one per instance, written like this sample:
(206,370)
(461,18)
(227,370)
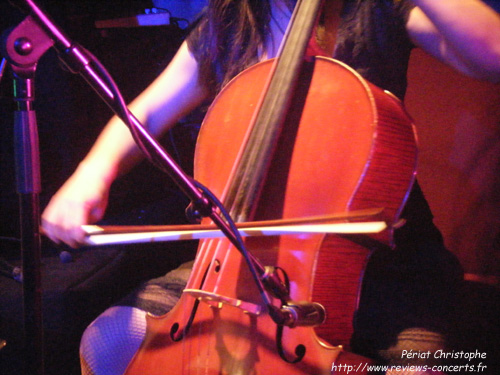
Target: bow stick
(107,235)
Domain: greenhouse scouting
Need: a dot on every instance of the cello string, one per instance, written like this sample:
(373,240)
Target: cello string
(251,262)
(228,247)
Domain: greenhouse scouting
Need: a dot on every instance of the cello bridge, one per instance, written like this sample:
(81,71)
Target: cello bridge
(218,301)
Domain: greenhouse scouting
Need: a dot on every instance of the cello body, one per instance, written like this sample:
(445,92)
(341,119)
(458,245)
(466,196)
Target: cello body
(345,145)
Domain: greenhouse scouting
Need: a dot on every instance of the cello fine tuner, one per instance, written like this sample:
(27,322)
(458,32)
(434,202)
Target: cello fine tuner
(218,301)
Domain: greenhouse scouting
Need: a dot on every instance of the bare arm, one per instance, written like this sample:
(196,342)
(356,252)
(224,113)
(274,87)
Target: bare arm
(83,198)
(462,33)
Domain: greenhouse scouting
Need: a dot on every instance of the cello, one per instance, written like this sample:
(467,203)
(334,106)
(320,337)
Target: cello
(286,157)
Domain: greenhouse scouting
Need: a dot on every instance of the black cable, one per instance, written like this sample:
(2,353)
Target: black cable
(153,155)
(225,214)
(121,108)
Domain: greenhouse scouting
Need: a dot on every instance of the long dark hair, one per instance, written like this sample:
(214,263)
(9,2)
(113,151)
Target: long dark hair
(232,33)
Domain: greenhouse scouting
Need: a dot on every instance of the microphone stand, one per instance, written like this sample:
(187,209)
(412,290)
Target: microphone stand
(22,47)
(80,61)
(203,203)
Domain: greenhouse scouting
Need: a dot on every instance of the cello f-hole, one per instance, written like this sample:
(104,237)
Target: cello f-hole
(177,336)
(173,330)
(300,350)
(217,266)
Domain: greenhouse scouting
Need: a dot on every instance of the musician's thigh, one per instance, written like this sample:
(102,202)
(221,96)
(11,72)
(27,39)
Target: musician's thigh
(111,340)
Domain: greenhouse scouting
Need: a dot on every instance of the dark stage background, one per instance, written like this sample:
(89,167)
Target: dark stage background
(458,122)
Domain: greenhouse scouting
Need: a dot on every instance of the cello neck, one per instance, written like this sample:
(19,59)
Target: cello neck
(256,155)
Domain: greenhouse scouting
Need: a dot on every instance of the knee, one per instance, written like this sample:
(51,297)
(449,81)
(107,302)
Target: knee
(110,341)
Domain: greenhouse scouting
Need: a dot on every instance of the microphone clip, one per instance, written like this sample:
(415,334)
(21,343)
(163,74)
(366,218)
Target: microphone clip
(298,314)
